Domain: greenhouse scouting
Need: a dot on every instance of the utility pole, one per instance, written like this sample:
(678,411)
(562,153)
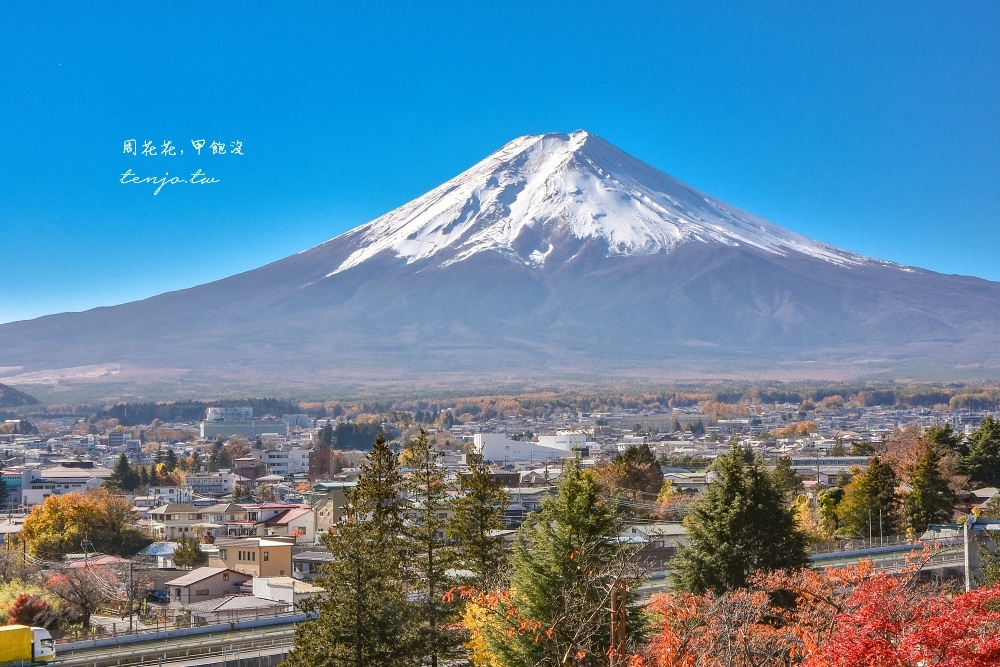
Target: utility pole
(970,521)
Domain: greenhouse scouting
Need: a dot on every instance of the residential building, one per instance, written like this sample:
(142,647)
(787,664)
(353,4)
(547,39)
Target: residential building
(278,461)
(219,483)
(173,521)
(284,589)
(298,522)
(205,583)
(328,508)
(307,564)
(257,556)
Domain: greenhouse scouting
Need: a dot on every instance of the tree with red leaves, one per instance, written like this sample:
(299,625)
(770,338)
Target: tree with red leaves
(32,610)
(885,624)
(850,617)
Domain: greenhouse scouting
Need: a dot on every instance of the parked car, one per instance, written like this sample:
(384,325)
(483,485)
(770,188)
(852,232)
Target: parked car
(158,596)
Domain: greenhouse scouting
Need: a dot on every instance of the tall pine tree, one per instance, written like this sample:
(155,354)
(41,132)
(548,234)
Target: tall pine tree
(123,477)
(741,525)
(364,619)
(931,500)
(430,555)
(983,461)
(478,516)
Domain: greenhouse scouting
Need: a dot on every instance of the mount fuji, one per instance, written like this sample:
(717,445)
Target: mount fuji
(557,257)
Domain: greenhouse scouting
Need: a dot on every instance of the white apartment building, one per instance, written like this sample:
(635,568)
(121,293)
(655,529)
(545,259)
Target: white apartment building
(213,483)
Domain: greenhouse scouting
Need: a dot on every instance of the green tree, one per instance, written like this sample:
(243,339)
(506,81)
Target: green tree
(859,448)
(188,553)
(430,555)
(871,503)
(565,562)
(785,480)
(478,515)
(123,477)
(364,618)
(982,464)
(324,436)
(931,500)
(4,494)
(171,460)
(741,525)
(947,437)
(241,492)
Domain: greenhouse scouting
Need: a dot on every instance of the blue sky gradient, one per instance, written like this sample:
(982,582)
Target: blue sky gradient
(871,126)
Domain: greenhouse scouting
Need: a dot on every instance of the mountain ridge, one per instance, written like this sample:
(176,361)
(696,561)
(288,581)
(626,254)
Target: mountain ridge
(558,256)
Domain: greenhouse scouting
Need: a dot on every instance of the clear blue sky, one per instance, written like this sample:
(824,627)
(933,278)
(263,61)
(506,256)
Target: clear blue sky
(871,126)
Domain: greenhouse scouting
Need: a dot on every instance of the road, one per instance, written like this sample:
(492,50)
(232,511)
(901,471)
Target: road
(211,649)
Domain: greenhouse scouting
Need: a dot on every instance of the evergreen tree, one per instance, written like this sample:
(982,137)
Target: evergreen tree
(565,561)
(871,503)
(4,494)
(171,460)
(143,476)
(478,514)
(188,553)
(122,478)
(324,436)
(983,461)
(364,618)
(931,500)
(430,555)
(785,480)
(241,493)
(947,437)
(741,525)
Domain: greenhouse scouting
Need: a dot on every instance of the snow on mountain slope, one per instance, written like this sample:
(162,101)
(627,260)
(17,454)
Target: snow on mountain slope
(540,189)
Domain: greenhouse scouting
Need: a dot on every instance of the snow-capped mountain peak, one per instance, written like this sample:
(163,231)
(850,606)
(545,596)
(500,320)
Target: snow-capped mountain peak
(540,190)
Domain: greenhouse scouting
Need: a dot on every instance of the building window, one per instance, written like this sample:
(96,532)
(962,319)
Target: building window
(202,591)
(225,576)
(265,555)
(253,555)
(222,554)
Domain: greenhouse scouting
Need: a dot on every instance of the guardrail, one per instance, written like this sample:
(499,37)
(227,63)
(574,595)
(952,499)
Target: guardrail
(234,650)
(174,633)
